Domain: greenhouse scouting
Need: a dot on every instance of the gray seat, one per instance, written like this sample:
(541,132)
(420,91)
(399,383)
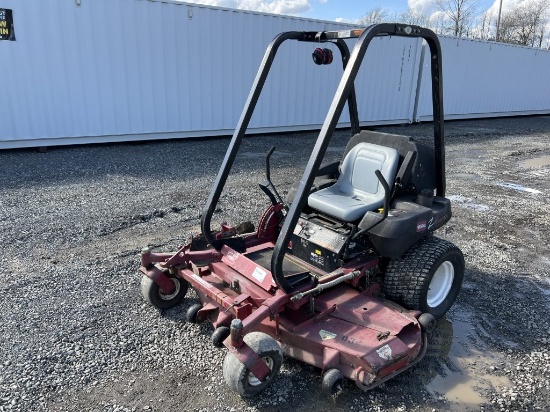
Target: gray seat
(357,189)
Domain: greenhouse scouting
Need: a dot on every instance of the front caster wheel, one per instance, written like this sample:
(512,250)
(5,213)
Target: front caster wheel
(332,382)
(193,312)
(239,378)
(219,335)
(153,294)
(427,322)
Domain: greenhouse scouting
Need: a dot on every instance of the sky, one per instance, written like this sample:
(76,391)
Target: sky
(336,10)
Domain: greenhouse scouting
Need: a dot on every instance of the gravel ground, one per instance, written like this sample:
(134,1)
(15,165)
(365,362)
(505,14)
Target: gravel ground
(76,334)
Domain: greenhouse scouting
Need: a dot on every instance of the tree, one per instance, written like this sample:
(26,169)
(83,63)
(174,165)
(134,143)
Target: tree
(414,18)
(459,12)
(525,23)
(374,16)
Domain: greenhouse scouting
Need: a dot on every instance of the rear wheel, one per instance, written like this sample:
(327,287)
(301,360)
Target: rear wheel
(428,277)
(239,378)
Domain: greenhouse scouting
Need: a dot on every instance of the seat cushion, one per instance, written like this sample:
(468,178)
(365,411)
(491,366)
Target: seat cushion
(358,189)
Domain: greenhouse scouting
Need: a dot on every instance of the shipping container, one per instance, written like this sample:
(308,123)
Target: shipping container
(91,71)
(488,79)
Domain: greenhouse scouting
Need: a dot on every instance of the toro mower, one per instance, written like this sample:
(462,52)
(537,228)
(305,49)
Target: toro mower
(344,273)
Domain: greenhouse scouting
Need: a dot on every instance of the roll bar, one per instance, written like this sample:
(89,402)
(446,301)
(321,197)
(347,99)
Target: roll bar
(345,92)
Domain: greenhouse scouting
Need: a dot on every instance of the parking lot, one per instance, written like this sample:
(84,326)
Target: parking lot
(76,334)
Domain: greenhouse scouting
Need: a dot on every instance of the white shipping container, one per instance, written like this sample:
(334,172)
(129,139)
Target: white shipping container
(132,69)
(108,71)
(487,79)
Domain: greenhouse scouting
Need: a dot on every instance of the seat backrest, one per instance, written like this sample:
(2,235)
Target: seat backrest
(422,175)
(357,177)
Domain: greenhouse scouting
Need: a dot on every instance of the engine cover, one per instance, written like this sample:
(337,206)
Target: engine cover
(319,245)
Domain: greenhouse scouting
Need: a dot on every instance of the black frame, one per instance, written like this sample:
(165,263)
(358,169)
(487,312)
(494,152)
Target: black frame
(345,92)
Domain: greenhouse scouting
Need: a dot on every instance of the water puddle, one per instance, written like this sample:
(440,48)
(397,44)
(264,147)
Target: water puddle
(535,163)
(459,366)
(543,285)
(520,188)
(469,203)
(467,176)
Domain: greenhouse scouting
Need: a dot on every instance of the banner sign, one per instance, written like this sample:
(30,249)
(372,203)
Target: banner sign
(6,25)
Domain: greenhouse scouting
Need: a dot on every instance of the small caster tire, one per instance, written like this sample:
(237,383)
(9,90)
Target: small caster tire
(154,295)
(193,312)
(219,335)
(240,379)
(332,382)
(427,322)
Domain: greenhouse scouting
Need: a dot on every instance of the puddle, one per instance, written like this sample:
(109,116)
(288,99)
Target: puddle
(520,188)
(544,285)
(535,163)
(459,365)
(468,202)
(467,176)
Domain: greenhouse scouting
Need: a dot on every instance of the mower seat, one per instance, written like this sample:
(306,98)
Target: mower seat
(357,189)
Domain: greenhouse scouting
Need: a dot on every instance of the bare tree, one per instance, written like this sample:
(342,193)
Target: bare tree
(525,23)
(374,16)
(460,13)
(413,17)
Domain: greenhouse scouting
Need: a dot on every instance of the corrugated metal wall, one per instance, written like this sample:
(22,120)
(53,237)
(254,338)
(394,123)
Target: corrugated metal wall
(485,79)
(132,69)
(140,69)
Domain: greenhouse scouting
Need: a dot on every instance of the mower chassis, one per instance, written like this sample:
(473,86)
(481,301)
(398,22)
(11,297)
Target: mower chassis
(325,320)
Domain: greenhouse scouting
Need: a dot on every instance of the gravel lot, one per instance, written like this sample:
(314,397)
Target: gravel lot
(75,333)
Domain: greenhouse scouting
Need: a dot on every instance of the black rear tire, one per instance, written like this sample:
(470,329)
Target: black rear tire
(428,277)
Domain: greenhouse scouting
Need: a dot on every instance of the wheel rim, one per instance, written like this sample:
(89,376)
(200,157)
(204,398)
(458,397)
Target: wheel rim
(441,284)
(172,295)
(252,380)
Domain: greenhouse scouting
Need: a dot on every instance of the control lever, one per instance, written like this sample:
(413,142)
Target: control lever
(268,187)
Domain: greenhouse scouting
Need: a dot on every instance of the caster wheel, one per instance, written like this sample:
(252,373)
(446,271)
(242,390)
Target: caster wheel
(219,335)
(192,313)
(427,322)
(332,382)
(153,294)
(239,378)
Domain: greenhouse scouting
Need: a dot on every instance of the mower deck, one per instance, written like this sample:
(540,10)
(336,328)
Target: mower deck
(363,336)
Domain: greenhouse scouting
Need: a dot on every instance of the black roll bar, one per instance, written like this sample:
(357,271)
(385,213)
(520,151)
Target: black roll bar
(345,92)
(246,115)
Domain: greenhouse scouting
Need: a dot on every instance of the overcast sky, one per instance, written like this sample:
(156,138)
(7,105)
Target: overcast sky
(339,9)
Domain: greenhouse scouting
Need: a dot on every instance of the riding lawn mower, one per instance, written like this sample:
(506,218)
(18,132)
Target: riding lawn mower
(344,273)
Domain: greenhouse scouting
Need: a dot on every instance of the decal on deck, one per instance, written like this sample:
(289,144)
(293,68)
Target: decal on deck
(259,274)
(384,352)
(325,334)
